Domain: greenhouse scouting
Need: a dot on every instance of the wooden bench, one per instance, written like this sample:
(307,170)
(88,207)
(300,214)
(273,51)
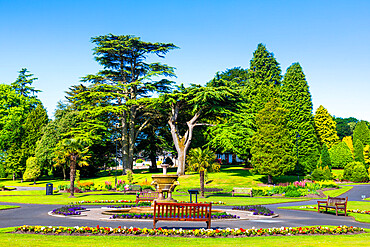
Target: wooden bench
(146,196)
(248,191)
(333,203)
(133,188)
(182,212)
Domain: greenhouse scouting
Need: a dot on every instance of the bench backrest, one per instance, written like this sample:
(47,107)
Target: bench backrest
(164,210)
(333,200)
(148,195)
(134,187)
(236,190)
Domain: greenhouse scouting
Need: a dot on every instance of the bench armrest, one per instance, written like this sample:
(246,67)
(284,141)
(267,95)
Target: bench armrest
(341,203)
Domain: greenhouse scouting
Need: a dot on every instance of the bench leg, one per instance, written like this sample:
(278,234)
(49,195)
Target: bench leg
(208,224)
(154,222)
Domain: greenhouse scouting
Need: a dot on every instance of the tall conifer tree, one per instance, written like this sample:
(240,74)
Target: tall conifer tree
(264,77)
(325,127)
(359,151)
(36,120)
(362,133)
(348,141)
(325,160)
(296,98)
(271,145)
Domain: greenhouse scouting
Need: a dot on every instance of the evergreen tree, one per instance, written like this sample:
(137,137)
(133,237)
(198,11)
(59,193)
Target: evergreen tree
(367,156)
(234,77)
(33,170)
(23,84)
(348,141)
(14,108)
(264,77)
(344,126)
(359,151)
(264,68)
(65,120)
(325,160)
(296,98)
(362,133)
(340,155)
(325,127)
(33,130)
(271,144)
(121,89)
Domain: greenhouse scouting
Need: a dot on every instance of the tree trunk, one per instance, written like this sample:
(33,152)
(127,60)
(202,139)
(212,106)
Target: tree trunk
(269,179)
(153,160)
(64,173)
(182,143)
(73,174)
(201,177)
(13,176)
(124,145)
(181,158)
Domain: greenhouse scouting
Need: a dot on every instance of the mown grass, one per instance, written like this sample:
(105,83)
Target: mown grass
(350,205)
(229,176)
(5,207)
(39,197)
(337,192)
(7,239)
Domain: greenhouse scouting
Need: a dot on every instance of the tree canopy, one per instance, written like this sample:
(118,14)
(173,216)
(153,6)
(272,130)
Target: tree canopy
(271,144)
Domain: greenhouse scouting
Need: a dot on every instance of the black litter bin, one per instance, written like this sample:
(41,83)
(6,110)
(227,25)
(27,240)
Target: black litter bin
(49,189)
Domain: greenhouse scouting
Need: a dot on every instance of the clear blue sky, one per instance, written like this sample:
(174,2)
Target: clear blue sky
(330,39)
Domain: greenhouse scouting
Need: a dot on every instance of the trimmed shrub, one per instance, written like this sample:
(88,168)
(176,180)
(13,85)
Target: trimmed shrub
(340,155)
(293,193)
(355,172)
(321,174)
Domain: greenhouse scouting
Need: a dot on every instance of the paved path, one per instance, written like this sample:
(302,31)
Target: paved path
(31,214)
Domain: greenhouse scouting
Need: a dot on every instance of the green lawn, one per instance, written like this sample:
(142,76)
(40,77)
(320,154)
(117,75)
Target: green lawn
(39,197)
(230,176)
(337,192)
(350,205)
(119,241)
(4,207)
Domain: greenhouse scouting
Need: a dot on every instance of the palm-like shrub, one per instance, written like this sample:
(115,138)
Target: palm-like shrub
(72,152)
(202,161)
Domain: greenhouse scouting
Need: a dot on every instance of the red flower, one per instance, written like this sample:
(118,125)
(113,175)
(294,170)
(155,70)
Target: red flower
(97,226)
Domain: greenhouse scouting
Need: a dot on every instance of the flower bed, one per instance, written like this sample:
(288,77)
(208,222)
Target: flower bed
(150,216)
(295,189)
(104,201)
(140,204)
(228,232)
(256,209)
(130,201)
(68,210)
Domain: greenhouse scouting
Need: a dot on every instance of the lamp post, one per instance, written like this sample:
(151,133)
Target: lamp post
(297,166)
